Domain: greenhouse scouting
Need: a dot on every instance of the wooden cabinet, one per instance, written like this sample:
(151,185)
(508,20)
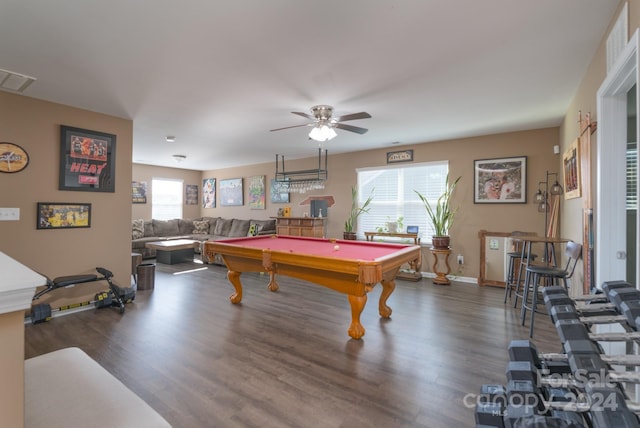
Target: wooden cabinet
(300,226)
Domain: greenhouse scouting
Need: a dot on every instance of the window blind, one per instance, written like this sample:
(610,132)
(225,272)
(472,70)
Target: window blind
(166,198)
(394,195)
(632,176)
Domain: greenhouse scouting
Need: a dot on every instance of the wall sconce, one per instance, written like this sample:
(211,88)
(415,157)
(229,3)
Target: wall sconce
(541,197)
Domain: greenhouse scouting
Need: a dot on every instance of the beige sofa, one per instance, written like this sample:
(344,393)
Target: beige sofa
(200,229)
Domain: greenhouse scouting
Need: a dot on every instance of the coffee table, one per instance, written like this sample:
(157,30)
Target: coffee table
(174,250)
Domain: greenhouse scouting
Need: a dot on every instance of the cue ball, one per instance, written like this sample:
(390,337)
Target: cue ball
(336,247)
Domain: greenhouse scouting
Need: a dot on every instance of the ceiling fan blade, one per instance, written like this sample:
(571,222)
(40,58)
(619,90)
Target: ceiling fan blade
(289,127)
(353,116)
(351,128)
(308,116)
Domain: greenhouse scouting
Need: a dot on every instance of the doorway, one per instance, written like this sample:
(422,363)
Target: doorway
(616,225)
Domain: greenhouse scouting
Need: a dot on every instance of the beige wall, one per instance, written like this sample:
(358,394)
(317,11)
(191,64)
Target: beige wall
(585,101)
(537,145)
(35,125)
(146,173)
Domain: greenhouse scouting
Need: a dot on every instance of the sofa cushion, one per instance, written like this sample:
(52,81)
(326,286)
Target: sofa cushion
(200,227)
(254,229)
(137,229)
(148,228)
(166,227)
(223,226)
(185,226)
(239,228)
(212,224)
(266,225)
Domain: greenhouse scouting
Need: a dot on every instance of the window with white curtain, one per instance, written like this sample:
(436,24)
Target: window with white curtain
(394,195)
(166,198)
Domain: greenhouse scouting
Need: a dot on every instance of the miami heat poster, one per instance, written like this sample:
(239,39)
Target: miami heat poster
(87,160)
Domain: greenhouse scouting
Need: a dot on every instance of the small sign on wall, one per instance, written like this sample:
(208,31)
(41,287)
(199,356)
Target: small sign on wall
(400,156)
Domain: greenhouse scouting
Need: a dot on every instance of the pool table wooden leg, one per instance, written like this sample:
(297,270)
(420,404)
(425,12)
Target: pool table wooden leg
(388,285)
(356,330)
(273,284)
(234,279)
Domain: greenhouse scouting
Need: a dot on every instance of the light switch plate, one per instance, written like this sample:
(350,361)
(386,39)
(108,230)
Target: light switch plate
(9,214)
(493,244)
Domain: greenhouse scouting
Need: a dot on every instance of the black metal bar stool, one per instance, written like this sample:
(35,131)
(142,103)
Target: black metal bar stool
(550,274)
(515,263)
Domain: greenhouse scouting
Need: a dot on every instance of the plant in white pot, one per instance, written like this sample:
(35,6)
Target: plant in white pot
(441,215)
(356,210)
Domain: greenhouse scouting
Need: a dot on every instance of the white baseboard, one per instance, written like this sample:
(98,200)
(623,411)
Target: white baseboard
(465,279)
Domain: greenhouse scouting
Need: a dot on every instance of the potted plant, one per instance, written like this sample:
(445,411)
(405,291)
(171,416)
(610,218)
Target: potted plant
(355,212)
(441,215)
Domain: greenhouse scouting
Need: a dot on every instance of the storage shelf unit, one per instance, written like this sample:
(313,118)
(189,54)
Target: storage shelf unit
(300,226)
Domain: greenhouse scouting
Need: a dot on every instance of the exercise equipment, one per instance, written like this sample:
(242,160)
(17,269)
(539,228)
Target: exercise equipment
(578,387)
(540,393)
(114,297)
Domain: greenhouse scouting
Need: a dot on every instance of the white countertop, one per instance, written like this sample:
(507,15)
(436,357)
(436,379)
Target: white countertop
(17,284)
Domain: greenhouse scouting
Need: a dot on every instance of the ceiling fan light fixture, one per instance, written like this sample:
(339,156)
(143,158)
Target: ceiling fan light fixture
(322,133)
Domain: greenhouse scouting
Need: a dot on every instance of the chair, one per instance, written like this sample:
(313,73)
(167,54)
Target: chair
(550,274)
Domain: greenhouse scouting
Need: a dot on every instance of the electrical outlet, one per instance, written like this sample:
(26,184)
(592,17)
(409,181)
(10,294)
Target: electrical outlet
(460,259)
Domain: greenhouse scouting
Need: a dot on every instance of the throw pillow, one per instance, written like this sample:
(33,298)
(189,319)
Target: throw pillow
(137,229)
(200,227)
(254,229)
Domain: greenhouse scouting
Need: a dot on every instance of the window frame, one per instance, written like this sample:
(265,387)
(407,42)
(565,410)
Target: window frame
(179,207)
(405,207)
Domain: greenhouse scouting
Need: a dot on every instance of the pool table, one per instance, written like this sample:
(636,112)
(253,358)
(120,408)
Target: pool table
(349,267)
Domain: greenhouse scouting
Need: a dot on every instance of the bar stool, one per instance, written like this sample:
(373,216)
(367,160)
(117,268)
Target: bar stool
(515,261)
(550,274)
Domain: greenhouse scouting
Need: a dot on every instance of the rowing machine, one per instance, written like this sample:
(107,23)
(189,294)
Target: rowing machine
(115,296)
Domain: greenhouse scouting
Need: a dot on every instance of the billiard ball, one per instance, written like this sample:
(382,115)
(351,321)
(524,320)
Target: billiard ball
(336,247)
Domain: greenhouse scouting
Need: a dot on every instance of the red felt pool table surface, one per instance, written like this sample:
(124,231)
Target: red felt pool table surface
(349,267)
(354,250)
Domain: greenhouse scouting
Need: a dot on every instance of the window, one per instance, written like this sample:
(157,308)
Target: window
(395,196)
(166,198)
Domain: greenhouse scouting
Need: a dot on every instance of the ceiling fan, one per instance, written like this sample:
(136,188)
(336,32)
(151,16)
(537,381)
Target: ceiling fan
(323,122)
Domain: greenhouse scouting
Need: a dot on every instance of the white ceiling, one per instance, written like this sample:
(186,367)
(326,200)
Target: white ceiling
(220,74)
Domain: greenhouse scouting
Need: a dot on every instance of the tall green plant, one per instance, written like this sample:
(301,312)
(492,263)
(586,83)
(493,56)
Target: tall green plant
(442,214)
(356,209)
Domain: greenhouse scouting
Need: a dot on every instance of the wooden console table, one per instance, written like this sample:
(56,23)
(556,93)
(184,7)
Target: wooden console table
(300,226)
(441,275)
(415,273)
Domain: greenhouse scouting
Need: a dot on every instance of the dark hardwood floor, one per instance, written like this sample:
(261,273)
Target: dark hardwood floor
(284,359)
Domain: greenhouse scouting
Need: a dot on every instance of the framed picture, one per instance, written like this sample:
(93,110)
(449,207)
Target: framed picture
(257,192)
(59,215)
(231,192)
(191,194)
(87,160)
(279,192)
(209,193)
(139,192)
(500,181)
(571,171)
